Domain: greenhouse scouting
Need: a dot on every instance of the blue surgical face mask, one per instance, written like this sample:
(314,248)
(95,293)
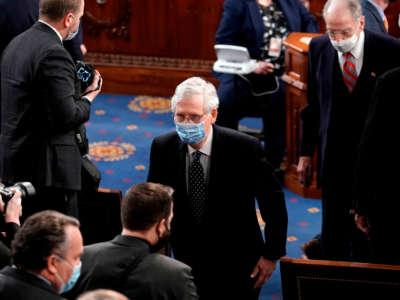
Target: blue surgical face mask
(76,272)
(73,34)
(190,133)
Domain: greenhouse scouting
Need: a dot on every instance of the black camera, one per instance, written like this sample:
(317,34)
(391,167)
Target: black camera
(85,74)
(26,189)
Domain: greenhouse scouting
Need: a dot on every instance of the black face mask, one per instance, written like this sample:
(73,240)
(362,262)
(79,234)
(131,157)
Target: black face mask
(162,241)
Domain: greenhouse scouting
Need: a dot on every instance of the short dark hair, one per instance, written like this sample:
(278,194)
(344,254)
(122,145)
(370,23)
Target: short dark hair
(41,235)
(55,10)
(145,204)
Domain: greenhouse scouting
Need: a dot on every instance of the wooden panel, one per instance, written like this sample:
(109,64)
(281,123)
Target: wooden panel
(173,28)
(296,98)
(392,14)
(321,279)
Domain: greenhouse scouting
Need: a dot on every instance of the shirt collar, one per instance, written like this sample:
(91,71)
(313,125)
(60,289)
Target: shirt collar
(206,148)
(378,8)
(55,30)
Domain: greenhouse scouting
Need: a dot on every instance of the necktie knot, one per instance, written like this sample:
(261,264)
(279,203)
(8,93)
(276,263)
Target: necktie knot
(196,155)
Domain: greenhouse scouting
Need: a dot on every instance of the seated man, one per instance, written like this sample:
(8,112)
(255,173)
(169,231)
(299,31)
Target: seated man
(46,256)
(128,264)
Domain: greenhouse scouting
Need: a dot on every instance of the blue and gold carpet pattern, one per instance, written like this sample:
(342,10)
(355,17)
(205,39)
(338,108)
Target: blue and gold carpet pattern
(120,132)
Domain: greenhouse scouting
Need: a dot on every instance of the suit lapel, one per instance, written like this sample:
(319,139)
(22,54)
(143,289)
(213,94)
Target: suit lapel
(181,169)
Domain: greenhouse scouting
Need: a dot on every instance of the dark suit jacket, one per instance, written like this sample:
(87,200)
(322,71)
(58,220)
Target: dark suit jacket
(5,241)
(18,15)
(20,285)
(373,21)
(230,238)
(127,265)
(242,25)
(376,181)
(40,111)
(381,53)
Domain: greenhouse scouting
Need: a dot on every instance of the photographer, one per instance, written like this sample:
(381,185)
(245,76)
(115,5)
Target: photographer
(42,109)
(9,224)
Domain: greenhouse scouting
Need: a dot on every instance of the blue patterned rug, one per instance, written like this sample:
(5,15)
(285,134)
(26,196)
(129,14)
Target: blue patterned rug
(120,131)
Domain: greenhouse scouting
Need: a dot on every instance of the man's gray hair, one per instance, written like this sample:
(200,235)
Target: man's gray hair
(353,6)
(196,86)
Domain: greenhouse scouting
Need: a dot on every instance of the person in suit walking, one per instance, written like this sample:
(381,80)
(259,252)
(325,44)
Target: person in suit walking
(130,263)
(42,110)
(261,26)
(375,19)
(377,204)
(217,173)
(342,69)
(46,255)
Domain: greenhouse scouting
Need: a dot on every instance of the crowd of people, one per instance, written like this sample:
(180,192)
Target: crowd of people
(188,208)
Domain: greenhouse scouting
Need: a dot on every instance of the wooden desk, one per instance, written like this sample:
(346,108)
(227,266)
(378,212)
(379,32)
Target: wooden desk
(296,98)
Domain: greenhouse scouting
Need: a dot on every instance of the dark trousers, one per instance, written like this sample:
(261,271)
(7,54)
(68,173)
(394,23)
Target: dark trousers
(51,198)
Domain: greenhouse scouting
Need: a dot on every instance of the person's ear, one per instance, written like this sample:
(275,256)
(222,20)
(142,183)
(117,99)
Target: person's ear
(52,261)
(68,20)
(160,228)
(214,113)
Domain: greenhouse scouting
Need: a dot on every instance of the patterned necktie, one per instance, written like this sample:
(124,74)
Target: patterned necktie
(386,23)
(349,72)
(197,188)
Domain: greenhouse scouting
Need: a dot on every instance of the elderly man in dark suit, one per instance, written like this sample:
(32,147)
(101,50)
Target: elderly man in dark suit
(260,25)
(130,263)
(46,255)
(377,204)
(342,71)
(217,173)
(41,109)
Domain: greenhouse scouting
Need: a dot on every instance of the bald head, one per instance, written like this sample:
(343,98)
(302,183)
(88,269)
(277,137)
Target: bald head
(342,8)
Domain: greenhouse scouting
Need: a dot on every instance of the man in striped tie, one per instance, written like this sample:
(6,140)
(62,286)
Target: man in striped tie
(343,67)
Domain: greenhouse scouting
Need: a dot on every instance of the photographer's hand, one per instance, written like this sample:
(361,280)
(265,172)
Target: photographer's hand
(14,209)
(94,89)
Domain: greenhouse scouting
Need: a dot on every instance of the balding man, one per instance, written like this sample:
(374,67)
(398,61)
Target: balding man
(342,71)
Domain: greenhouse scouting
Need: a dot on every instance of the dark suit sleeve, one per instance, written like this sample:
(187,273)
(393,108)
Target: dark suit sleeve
(308,22)
(310,114)
(231,23)
(154,173)
(271,202)
(373,152)
(65,110)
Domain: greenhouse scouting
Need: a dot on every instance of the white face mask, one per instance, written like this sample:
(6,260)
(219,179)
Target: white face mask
(345,45)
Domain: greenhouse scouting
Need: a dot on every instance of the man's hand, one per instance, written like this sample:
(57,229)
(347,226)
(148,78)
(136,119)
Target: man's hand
(362,223)
(263,270)
(94,89)
(14,209)
(304,170)
(264,68)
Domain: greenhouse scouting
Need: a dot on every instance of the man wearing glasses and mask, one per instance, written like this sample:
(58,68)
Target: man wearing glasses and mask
(42,109)
(217,173)
(343,66)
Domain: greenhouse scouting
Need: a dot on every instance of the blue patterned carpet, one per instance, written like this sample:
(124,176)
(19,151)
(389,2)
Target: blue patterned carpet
(120,131)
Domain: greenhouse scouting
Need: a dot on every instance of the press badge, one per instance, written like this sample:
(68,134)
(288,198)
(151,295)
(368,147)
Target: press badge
(275,44)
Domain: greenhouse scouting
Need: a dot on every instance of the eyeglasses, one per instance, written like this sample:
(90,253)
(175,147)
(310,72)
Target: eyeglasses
(335,33)
(179,118)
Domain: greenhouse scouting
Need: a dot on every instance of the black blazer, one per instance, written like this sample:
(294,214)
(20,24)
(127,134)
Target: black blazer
(17,284)
(40,110)
(381,53)
(239,173)
(127,265)
(376,179)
